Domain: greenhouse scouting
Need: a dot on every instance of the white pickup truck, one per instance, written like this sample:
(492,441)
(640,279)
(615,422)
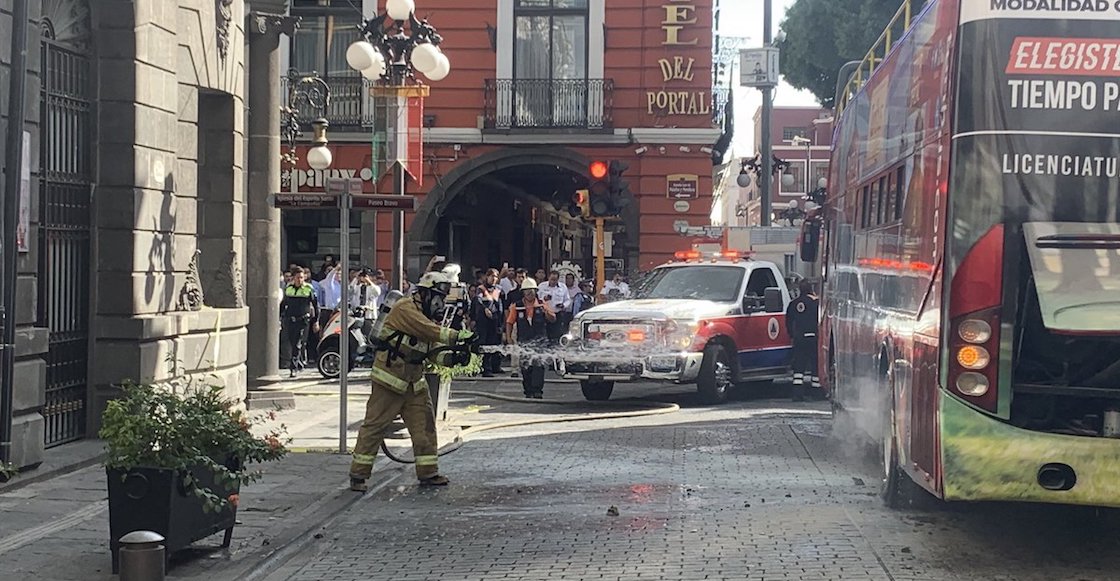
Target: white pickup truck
(714,320)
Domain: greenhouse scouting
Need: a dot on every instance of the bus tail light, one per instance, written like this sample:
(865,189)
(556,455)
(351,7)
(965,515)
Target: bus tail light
(973,357)
(972,384)
(972,373)
(975,331)
(975,296)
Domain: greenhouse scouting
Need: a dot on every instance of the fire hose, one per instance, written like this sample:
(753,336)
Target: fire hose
(461,355)
(653,409)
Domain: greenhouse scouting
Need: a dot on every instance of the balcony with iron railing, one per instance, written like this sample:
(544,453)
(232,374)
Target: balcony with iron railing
(351,107)
(561,104)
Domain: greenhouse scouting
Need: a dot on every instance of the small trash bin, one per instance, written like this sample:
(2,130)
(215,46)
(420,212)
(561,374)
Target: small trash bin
(142,556)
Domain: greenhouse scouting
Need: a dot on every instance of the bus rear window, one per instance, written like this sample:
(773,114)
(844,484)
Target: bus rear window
(1076,267)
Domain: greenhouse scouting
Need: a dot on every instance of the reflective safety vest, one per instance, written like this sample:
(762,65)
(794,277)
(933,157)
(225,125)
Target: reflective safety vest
(409,335)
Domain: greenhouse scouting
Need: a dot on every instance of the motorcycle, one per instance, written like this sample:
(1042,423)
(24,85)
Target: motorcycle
(362,346)
(361,351)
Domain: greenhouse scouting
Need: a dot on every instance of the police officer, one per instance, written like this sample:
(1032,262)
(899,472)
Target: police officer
(298,310)
(801,324)
(399,387)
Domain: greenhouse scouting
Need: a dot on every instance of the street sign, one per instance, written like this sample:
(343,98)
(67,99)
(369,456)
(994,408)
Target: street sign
(758,67)
(399,203)
(339,186)
(680,186)
(305,201)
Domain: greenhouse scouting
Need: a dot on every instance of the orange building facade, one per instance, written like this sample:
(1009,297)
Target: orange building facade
(538,90)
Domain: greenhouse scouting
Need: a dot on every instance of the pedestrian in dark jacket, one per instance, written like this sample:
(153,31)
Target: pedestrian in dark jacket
(801,324)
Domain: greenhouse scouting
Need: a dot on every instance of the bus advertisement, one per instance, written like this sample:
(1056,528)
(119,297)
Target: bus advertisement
(971,295)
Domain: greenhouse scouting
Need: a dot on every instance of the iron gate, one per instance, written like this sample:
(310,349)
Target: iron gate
(66,171)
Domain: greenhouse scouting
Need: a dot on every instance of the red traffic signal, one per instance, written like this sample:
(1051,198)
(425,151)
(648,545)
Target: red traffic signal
(598,169)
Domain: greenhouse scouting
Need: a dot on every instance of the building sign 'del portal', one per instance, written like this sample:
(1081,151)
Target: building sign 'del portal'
(678,15)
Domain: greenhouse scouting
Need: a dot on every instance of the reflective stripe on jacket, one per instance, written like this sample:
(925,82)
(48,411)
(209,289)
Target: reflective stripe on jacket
(420,335)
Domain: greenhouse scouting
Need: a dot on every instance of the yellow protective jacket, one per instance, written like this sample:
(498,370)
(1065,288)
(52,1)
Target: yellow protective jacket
(412,334)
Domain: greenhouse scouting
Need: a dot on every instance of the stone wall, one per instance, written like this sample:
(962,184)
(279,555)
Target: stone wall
(170,193)
(31,341)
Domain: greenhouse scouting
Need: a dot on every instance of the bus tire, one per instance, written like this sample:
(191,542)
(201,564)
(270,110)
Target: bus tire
(898,490)
(717,375)
(596,390)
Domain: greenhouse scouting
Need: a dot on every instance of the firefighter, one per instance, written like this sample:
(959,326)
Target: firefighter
(399,387)
(529,318)
(801,324)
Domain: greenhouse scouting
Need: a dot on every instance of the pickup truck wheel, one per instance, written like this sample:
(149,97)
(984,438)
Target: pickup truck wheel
(596,390)
(716,375)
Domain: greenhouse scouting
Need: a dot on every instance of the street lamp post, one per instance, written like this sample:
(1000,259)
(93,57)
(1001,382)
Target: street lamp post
(395,46)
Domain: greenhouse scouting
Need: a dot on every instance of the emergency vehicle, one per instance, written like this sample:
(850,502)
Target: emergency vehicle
(714,319)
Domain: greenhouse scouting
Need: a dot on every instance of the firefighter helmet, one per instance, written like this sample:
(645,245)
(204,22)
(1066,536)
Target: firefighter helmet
(437,282)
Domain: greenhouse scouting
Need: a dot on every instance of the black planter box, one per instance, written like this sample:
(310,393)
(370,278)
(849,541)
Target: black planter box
(155,499)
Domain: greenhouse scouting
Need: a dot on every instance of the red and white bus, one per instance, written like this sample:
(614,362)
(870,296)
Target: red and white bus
(971,251)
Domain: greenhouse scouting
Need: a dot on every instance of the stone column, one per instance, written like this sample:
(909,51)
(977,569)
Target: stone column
(263,243)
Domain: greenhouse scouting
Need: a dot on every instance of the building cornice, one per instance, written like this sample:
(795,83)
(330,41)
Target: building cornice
(636,135)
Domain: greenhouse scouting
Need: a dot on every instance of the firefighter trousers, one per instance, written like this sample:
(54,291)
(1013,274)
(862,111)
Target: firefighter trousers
(384,405)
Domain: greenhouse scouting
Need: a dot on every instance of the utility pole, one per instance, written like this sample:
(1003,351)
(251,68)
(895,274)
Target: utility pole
(600,255)
(13,164)
(766,177)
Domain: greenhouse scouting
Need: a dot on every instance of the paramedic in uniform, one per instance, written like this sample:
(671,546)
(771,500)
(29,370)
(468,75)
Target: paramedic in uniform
(399,387)
(801,324)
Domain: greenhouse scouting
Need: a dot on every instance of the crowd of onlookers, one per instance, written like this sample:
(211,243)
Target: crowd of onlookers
(500,303)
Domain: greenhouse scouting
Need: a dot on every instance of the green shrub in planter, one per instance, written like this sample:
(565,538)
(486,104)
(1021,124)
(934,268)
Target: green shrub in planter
(176,461)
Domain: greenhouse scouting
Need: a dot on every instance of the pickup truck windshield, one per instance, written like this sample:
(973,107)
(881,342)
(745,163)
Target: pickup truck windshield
(705,283)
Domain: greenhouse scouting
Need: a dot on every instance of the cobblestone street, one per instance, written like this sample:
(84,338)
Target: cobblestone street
(752,490)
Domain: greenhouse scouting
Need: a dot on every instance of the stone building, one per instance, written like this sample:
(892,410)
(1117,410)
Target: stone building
(136,115)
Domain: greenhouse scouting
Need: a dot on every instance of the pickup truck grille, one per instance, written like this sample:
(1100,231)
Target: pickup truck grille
(619,333)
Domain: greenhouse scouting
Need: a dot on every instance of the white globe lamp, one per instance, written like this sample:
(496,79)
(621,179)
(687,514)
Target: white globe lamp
(376,69)
(360,55)
(425,58)
(319,157)
(787,180)
(400,9)
(822,183)
(441,70)
(744,180)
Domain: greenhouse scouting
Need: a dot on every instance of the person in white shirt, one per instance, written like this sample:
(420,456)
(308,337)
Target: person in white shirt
(616,289)
(364,293)
(331,289)
(555,294)
(508,280)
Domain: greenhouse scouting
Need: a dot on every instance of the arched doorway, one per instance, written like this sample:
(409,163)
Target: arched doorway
(66,176)
(509,205)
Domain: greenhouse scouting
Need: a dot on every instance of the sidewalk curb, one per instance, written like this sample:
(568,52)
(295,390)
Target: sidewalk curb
(38,475)
(264,563)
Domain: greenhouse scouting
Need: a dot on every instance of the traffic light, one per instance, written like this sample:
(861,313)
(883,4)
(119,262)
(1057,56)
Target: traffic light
(580,205)
(599,191)
(619,187)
